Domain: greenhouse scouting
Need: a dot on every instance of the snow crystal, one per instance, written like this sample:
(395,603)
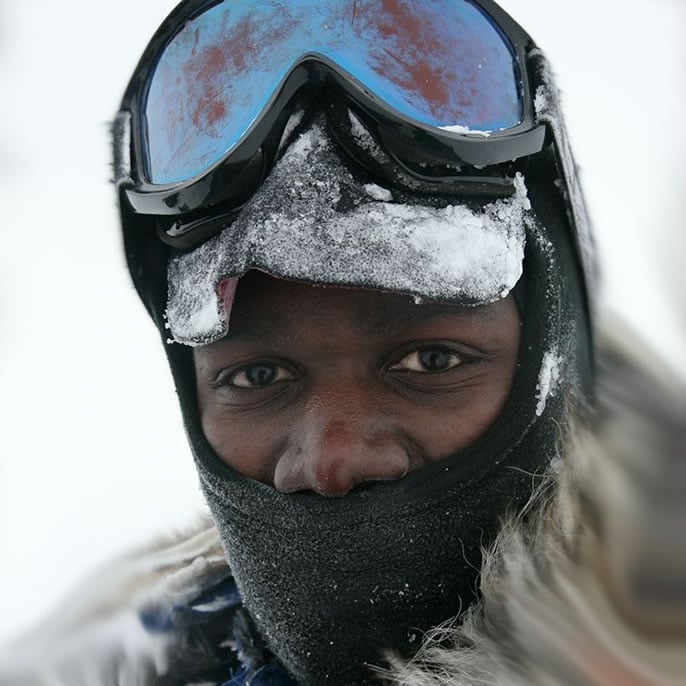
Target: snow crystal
(312,221)
(541,101)
(522,193)
(303,145)
(365,139)
(205,316)
(292,123)
(547,379)
(378,192)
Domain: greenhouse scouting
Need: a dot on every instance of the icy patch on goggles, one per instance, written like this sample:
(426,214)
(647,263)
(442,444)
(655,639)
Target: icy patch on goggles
(312,222)
(466,131)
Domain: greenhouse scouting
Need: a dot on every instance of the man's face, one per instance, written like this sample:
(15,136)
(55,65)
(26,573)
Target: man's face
(322,389)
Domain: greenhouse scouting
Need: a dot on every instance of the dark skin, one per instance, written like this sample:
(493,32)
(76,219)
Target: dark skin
(322,389)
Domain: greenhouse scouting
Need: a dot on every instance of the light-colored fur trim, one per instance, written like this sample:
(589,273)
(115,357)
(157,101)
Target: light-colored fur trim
(591,590)
(587,587)
(96,638)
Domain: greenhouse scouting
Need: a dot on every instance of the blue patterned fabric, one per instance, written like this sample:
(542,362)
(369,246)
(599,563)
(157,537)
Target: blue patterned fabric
(269,675)
(218,603)
(219,599)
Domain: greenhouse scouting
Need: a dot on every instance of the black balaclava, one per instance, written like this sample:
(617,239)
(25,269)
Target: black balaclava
(333,583)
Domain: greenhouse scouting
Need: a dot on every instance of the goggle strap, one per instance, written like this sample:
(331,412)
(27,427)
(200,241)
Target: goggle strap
(121,143)
(548,111)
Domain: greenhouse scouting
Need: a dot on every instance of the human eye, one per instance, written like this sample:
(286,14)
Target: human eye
(256,375)
(428,360)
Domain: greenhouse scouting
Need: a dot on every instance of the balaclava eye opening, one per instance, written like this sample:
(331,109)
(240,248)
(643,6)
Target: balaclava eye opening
(333,583)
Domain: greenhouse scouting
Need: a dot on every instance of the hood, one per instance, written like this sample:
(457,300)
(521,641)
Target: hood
(332,584)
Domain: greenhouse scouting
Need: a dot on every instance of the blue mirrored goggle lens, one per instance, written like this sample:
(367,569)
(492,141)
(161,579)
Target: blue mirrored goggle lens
(441,63)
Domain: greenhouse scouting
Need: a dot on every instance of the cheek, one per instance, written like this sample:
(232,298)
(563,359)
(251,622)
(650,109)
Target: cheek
(245,444)
(457,424)
(489,404)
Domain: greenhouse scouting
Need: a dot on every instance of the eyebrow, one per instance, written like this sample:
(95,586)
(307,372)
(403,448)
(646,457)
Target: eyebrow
(400,315)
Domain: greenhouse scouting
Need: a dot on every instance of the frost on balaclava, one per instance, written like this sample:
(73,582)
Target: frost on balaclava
(314,222)
(332,583)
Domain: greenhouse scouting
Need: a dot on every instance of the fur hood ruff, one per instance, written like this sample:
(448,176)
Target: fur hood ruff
(587,587)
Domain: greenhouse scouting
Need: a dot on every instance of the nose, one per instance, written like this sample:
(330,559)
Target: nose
(332,453)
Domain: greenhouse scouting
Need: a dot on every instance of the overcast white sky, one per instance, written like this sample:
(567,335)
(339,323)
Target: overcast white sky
(93,457)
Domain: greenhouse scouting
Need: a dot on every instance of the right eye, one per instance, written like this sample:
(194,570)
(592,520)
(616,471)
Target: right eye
(429,360)
(258,376)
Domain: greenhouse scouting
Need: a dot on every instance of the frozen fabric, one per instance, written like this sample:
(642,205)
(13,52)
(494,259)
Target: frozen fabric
(313,221)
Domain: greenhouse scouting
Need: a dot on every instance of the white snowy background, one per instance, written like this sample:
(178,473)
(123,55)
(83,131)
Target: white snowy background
(92,454)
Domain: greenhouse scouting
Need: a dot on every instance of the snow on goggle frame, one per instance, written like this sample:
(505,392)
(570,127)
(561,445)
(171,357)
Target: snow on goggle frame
(445,79)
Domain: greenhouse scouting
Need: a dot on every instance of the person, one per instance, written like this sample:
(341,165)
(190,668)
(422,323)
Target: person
(359,231)
(375,318)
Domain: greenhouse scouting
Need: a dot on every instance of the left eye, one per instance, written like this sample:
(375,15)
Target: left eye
(427,361)
(259,375)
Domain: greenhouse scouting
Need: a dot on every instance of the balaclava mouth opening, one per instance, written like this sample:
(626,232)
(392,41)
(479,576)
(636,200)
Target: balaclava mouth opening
(333,583)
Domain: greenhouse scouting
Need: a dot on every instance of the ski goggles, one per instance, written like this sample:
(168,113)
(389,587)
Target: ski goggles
(442,83)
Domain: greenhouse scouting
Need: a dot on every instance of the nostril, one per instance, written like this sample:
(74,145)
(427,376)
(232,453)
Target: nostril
(391,459)
(336,470)
(332,474)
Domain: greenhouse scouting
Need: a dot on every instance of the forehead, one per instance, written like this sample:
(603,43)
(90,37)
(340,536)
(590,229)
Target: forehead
(266,305)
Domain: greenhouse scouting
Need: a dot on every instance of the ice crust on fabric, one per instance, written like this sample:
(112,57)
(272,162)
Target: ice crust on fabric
(548,379)
(312,221)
